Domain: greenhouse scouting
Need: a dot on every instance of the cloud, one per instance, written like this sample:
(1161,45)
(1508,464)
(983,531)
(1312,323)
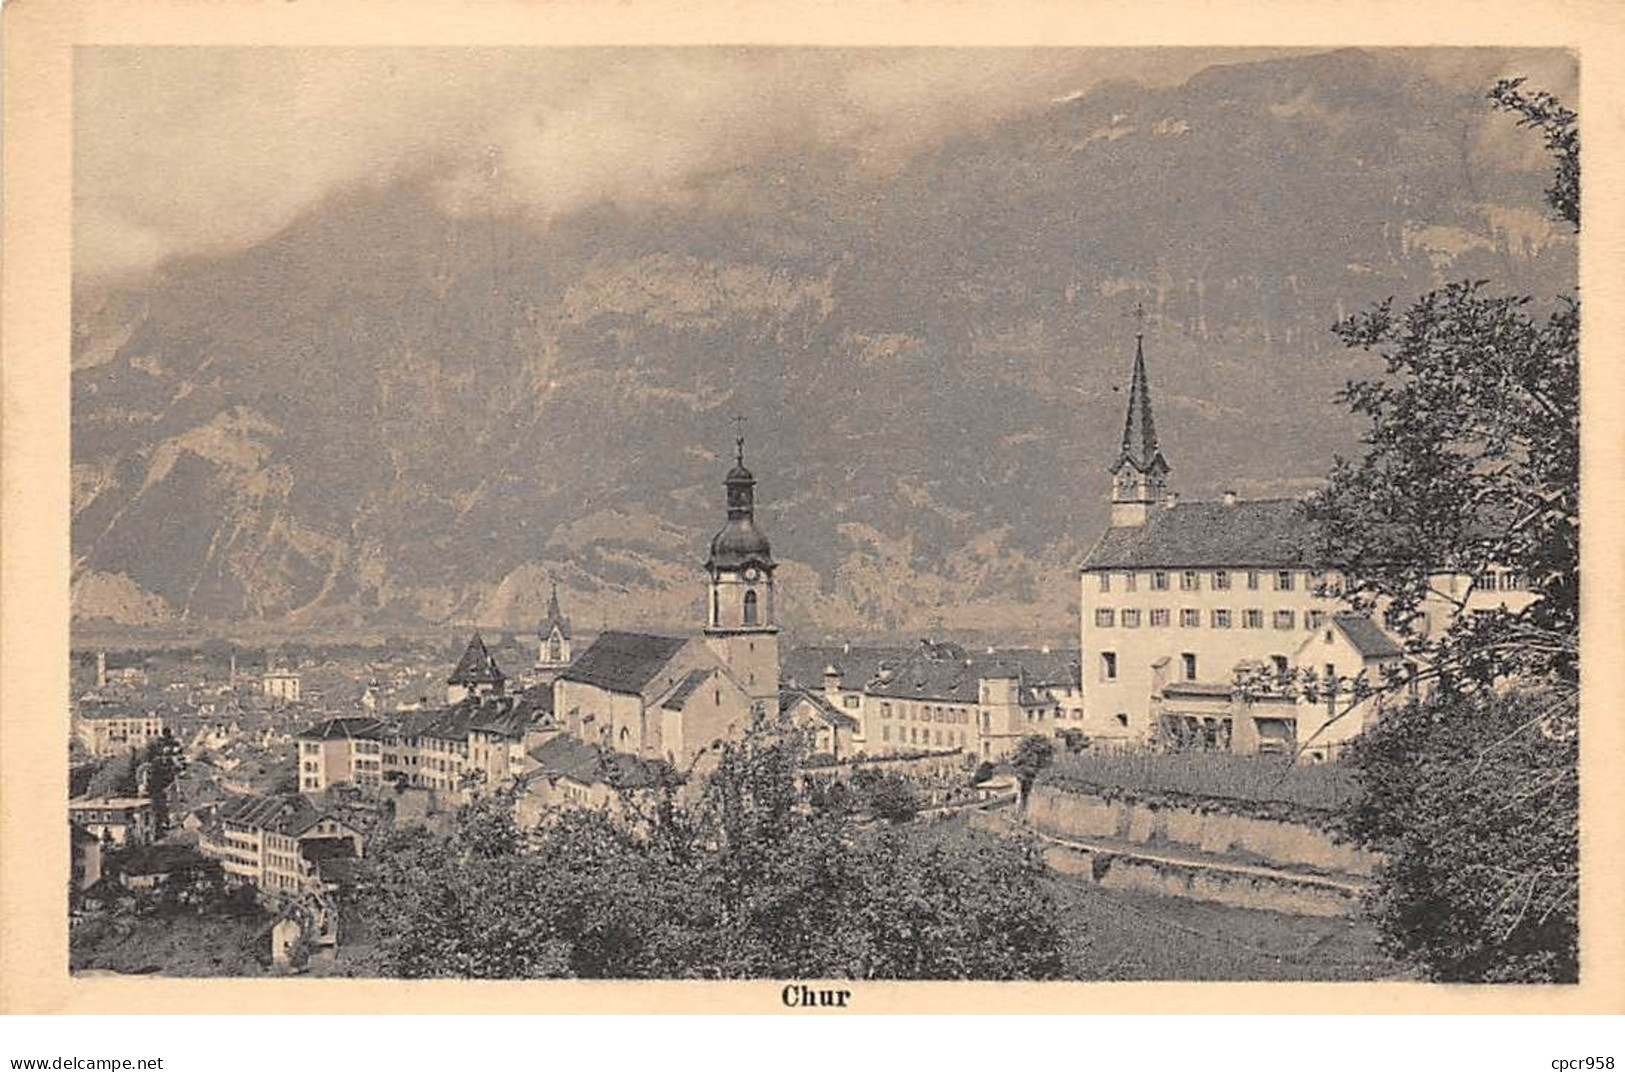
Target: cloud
(201,150)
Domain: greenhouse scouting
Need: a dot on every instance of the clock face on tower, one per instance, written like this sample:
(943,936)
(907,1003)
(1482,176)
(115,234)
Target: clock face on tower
(751,573)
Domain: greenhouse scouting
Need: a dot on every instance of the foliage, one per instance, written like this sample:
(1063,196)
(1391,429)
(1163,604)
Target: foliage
(984,772)
(164,762)
(1474,796)
(752,877)
(1473,460)
(1033,753)
(1217,776)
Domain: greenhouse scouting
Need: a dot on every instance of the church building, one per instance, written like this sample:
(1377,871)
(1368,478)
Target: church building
(669,698)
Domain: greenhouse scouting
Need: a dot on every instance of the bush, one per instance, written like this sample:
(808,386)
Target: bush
(984,771)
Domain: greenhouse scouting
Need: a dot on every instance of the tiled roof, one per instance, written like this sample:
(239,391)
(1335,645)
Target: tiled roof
(346,727)
(857,665)
(623,662)
(1367,637)
(1058,666)
(678,696)
(476,667)
(290,815)
(1263,533)
(567,757)
(788,698)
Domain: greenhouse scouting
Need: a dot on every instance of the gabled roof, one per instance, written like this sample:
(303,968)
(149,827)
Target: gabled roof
(857,665)
(1057,666)
(1367,637)
(346,727)
(476,667)
(567,757)
(290,815)
(677,698)
(821,708)
(623,662)
(1256,533)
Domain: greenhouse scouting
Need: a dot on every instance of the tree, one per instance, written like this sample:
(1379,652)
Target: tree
(1471,462)
(1033,754)
(744,879)
(893,799)
(164,762)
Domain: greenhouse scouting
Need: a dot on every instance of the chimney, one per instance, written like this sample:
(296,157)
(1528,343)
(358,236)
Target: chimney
(832,680)
(1170,500)
(846,648)
(1229,497)
(1044,649)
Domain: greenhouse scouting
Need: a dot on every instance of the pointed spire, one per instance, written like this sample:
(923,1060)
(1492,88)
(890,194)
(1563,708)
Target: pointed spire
(1139,428)
(553,613)
(476,666)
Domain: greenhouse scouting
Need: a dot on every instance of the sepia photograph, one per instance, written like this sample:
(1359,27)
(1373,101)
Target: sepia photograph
(707,513)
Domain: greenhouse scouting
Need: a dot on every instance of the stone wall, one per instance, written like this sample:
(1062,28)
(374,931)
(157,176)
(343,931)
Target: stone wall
(1269,842)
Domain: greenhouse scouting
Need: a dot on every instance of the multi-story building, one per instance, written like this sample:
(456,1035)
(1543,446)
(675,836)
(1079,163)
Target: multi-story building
(109,728)
(120,820)
(941,698)
(261,841)
(345,750)
(281,685)
(1187,606)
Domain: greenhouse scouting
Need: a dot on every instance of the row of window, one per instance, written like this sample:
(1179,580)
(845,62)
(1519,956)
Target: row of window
(1218,618)
(1187,666)
(916,735)
(1221,580)
(927,713)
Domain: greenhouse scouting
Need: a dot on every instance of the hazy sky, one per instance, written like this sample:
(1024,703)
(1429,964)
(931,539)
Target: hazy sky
(186,150)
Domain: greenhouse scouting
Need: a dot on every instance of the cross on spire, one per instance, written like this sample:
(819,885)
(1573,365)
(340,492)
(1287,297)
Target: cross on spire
(739,438)
(1139,320)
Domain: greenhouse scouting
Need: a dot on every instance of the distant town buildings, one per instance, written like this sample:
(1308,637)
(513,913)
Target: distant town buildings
(118,821)
(281,685)
(111,728)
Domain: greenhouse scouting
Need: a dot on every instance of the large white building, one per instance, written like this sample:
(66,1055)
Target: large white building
(1187,606)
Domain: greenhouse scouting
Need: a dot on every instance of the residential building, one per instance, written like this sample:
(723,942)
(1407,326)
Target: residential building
(119,820)
(942,699)
(86,851)
(279,684)
(109,728)
(831,731)
(347,751)
(258,840)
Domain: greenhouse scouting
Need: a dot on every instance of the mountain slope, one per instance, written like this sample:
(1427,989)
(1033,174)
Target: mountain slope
(390,412)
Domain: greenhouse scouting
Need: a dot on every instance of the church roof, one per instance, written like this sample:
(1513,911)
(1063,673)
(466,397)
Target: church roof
(677,697)
(623,662)
(476,667)
(1139,430)
(1262,533)
(555,618)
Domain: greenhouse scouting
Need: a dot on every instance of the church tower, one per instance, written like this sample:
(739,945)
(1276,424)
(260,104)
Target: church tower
(553,644)
(1140,474)
(740,625)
